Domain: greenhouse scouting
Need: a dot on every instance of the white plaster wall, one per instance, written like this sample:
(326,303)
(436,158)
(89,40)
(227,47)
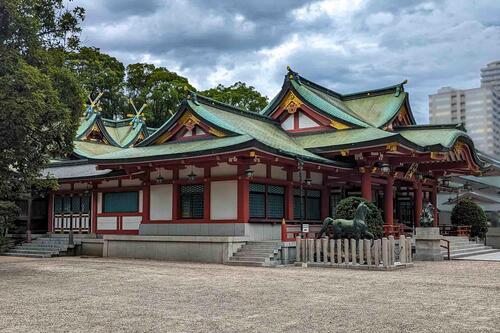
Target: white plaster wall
(278,173)
(224,200)
(316,178)
(224,169)
(82,186)
(161,202)
(288,123)
(106,223)
(131,182)
(65,187)
(167,174)
(99,202)
(185,172)
(306,122)
(259,170)
(141,201)
(131,222)
(108,184)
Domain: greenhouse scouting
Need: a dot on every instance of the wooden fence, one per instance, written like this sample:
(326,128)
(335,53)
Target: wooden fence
(385,253)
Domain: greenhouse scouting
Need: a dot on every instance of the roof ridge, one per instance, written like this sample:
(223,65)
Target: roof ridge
(379,91)
(458,126)
(231,108)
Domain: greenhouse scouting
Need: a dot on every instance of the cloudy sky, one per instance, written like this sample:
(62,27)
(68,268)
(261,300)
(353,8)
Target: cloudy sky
(346,45)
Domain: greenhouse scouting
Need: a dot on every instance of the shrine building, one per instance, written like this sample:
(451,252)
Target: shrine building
(216,170)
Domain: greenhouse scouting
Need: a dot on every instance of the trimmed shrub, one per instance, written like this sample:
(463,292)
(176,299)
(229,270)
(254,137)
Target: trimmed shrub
(467,212)
(347,207)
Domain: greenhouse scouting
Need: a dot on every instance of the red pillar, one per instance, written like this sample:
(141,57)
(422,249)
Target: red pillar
(146,198)
(418,202)
(175,195)
(289,196)
(325,202)
(366,186)
(243,195)
(50,213)
(206,195)
(434,204)
(388,201)
(94,210)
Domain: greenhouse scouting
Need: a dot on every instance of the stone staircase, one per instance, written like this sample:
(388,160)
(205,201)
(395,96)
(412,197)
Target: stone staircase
(461,247)
(43,247)
(263,254)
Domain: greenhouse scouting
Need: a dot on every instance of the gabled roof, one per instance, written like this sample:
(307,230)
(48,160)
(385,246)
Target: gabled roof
(241,129)
(373,108)
(116,134)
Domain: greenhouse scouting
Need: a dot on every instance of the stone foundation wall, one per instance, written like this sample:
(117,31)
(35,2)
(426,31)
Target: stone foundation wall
(209,249)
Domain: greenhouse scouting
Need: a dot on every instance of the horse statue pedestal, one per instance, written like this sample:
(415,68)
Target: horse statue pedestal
(427,244)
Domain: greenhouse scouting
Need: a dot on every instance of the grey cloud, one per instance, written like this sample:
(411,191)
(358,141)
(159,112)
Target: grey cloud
(431,43)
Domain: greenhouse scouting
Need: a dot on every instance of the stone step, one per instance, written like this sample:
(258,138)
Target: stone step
(474,253)
(469,246)
(15,250)
(469,250)
(11,254)
(246,263)
(251,259)
(41,248)
(252,253)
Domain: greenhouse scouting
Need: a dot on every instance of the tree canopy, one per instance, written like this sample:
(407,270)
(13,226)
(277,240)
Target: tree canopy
(467,212)
(98,72)
(161,89)
(239,95)
(40,101)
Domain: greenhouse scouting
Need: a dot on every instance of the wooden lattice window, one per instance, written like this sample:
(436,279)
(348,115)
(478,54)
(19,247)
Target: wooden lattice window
(192,201)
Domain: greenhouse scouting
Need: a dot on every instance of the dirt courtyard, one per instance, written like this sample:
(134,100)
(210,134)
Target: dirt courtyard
(113,295)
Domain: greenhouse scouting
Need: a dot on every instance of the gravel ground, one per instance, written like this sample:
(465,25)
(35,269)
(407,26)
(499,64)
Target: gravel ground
(104,295)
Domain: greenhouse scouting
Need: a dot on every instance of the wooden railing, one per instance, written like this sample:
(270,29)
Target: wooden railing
(385,253)
(290,231)
(395,230)
(447,246)
(455,230)
(80,221)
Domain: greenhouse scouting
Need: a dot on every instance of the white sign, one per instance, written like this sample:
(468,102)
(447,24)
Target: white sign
(305,228)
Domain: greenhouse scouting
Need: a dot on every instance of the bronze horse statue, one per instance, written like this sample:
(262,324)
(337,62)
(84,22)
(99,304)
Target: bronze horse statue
(355,228)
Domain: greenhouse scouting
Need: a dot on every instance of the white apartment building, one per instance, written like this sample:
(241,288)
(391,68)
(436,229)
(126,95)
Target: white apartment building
(478,109)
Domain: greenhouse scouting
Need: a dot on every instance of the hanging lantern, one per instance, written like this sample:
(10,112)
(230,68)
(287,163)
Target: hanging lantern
(249,173)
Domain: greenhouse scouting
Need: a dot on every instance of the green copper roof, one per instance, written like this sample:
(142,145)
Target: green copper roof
(91,149)
(432,136)
(125,135)
(377,110)
(258,127)
(85,124)
(344,138)
(326,105)
(174,149)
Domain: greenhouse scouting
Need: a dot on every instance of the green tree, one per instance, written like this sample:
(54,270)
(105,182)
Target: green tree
(239,95)
(40,101)
(98,72)
(467,212)
(8,213)
(160,88)
(347,207)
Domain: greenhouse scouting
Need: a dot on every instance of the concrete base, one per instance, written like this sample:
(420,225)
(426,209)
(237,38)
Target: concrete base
(254,231)
(493,237)
(288,253)
(427,244)
(360,267)
(209,249)
(91,247)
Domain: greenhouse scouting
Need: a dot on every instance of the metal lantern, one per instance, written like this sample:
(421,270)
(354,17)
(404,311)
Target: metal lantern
(308,181)
(385,168)
(249,173)
(160,179)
